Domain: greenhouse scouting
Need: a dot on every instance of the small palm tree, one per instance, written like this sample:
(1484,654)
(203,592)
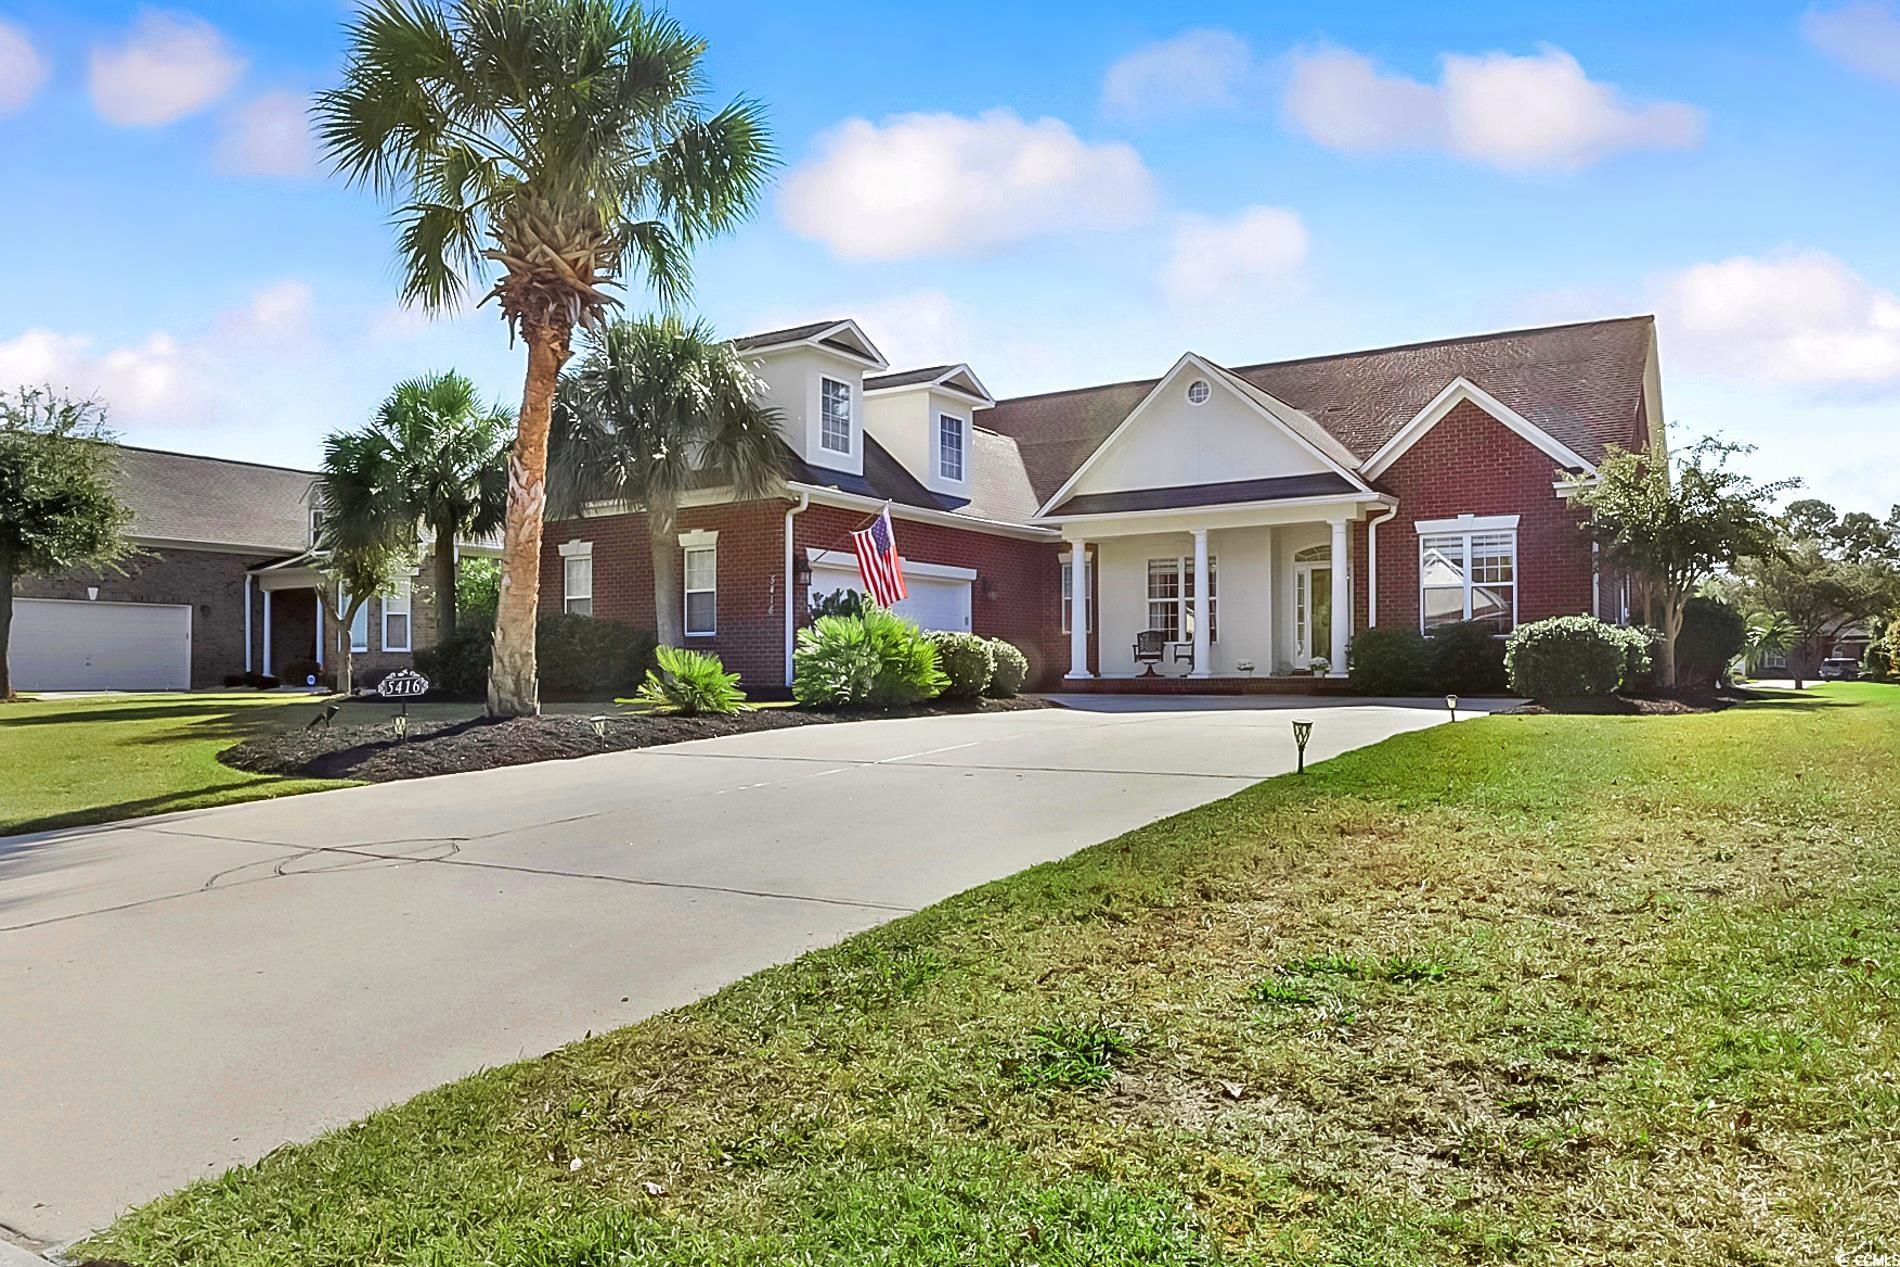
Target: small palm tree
(565,143)
(442,457)
(655,409)
(1767,633)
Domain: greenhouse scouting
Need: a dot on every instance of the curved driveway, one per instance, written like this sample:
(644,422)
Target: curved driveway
(184,993)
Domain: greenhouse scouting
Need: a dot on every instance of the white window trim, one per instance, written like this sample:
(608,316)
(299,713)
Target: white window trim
(362,617)
(1467,527)
(1183,601)
(1068,599)
(576,550)
(699,541)
(850,427)
(406,594)
(962,429)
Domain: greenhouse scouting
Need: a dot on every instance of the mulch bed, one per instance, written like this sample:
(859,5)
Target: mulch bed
(373,754)
(1639,706)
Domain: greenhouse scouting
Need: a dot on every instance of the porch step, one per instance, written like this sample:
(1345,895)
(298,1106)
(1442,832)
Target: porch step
(1176,685)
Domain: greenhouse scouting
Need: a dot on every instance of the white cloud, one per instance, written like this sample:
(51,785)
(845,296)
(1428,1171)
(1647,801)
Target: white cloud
(169,65)
(1801,317)
(1517,113)
(278,312)
(1865,35)
(1231,262)
(22,70)
(151,380)
(269,136)
(925,184)
(1204,69)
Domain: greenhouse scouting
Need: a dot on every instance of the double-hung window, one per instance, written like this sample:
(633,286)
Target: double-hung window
(1468,572)
(834,415)
(359,625)
(577,578)
(700,551)
(1068,599)
(396,606)
(1171,598)
(949,446)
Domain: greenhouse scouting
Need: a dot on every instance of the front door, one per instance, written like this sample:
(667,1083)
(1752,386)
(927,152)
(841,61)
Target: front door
(1312,612)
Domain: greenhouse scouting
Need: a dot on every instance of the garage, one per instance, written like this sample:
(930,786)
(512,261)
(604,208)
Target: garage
(939,595)
(69,645)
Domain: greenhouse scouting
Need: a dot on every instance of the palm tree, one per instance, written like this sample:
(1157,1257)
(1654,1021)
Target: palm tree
(442,463)
(565,142)
(367,537)
(655,409)
(1768,633)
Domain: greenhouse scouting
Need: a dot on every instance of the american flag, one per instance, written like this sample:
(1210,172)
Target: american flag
(878,563)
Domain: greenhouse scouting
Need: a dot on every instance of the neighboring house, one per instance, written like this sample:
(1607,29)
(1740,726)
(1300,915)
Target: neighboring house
(1254,516)
(220,586)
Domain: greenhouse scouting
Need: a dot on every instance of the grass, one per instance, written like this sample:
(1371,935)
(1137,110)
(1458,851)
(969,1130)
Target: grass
(1525,989)
(72,762)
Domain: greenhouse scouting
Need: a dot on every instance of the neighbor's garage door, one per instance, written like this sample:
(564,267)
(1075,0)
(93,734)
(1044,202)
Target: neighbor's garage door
(935,602)
(79,646)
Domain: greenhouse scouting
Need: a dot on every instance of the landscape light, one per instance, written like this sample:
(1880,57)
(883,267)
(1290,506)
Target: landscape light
(599,722)
(1451,702)
(1302,731)
(402,725)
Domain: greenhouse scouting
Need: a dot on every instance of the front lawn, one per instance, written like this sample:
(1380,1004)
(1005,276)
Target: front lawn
(1530,989)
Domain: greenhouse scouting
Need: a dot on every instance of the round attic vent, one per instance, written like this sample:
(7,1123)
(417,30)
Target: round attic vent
(1197,392)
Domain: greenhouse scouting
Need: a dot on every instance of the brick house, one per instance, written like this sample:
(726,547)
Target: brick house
(220,585)
(1246,519)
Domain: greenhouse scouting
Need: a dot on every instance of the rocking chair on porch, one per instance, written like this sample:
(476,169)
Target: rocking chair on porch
(1150,646)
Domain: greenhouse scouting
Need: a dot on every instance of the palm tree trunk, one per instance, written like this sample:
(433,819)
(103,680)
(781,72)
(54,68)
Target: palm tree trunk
(513,687)
(444,583)
(6,629)
(669,621)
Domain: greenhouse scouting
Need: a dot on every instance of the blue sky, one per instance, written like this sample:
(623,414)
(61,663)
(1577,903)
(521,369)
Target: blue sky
(1058,193)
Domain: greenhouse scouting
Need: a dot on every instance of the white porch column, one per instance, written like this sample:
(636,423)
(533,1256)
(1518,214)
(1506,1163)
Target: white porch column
(319,600)
(1079,610)
(266,667)
(1203,642)
(1342,600)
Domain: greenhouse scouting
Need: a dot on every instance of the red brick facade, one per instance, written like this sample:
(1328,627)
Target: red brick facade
(1472,464)
(1016,595)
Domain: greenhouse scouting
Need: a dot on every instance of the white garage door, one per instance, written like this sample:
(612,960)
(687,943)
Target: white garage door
(939,596)
(78,646)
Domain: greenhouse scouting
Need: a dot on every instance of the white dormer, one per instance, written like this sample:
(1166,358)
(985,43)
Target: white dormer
(924,419)
(814,375)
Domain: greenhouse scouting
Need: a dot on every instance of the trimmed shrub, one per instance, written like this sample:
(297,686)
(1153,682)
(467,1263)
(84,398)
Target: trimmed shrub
(298,672)
(589,655)
(1467,659)
(1012,670)
(873,659)
(966,660)
(690,683)
(1390,662)
(1571,656)
(1713,634)
(458,666)
(1876,663)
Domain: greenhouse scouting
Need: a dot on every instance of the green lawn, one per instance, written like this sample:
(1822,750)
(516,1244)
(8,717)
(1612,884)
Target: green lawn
(91,760)
(1528,989)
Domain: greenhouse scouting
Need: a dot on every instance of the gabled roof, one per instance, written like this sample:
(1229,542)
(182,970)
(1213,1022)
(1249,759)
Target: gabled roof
(999,491)
(184,497)
(959,378)
(837,336)
(1581,383)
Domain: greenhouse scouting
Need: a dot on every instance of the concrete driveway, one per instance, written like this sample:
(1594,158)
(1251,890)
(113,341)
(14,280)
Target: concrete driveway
(184,993)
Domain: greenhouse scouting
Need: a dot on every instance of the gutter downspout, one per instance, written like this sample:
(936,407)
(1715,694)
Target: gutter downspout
(248,578)
(1372,564)
(791,587)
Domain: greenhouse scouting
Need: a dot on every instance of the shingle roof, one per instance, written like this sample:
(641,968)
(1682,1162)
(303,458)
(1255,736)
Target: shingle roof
(790,334)
(216,501)
(1582,383)
(904,378)
(999,489)
(1186,496)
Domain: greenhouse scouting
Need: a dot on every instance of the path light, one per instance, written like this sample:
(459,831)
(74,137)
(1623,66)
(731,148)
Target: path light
(1451,702)
(1302,731)
(402,725)
(599,722)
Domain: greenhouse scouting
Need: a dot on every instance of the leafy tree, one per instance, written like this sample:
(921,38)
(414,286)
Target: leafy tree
(58,506)
(1676,527)
(367,540)
(655,409)
(477,589)
(439,458)
(1768,633)
(1819,582)
(565,142)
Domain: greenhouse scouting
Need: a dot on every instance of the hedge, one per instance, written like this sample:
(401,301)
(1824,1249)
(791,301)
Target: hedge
(1567,657)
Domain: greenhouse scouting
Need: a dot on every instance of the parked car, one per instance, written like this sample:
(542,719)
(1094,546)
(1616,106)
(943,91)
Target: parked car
(1839,667)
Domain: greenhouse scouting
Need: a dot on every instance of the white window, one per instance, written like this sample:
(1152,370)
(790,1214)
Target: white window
(702,586)
(1171,598)
(1198,391)
(1068,598)
(834,415)
(577,578)
(316,525)
(359,625)
(1468,575)
(949,446)
(396,618)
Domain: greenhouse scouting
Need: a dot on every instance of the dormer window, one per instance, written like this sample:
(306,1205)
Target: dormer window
(949,447)
(834,420)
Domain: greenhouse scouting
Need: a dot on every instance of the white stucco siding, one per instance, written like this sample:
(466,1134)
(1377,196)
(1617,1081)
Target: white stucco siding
(1245,587)
(905,423)
(792,377)
(1172,442)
